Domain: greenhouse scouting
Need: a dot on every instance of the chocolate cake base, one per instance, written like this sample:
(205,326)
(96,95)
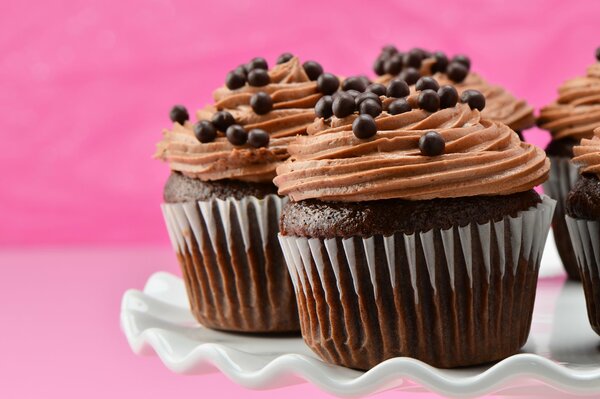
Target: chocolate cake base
(313,218)
(454,297)
(225,237)
(583,201)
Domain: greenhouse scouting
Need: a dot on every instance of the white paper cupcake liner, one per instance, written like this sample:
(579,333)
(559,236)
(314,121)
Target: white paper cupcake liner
(448,297)
(563,175)
(232,264)
(585,237)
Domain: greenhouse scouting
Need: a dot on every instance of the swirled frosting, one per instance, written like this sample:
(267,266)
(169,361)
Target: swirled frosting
(587,154)
(482,157)
(294,96)
(576,111)
(501,106)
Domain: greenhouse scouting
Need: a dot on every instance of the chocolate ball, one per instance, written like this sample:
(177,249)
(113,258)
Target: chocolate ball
(236,135)
(457,72)
(323,108)
(257,63)
(205,131)
(370,107)
(285,57)
(377,88)
(429,100)
(222,120)
(261,103)
(379,66)
(399,106)
(353,93)
(448,96)
(343,105)
(389,49)
(258,138)
(358,83)
(432,144)
(328,83)
(179,114)
(462,59)
(366,95)
(474,98)
(258,78)
(393,65)
(241,69)
(313,69)
(598,54)
(441,62)
(413,59)
(427,82)
(364,126)
(398,88)
(410,76)
(235,79)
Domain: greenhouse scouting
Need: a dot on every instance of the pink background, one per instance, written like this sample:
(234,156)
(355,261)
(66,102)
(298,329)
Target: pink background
(85,91)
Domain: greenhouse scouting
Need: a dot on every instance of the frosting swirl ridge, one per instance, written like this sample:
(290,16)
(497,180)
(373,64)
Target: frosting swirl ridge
(481,158)
(576,111)
(587,154)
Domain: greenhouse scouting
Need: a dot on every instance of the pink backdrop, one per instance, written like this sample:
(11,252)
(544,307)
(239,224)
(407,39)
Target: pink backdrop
(85,90)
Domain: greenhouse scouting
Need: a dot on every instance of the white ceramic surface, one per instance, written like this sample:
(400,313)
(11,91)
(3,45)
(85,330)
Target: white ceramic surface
(561,356)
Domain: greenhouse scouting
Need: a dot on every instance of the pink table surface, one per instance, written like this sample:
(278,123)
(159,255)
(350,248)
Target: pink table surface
(60,334)
(85,89)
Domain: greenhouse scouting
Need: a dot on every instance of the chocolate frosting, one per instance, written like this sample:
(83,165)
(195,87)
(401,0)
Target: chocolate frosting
(576,111)
(481,158)
(587,154)
(501,106)
(294,96)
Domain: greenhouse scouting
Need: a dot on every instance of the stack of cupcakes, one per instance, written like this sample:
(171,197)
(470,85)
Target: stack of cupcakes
(572,117)
(410,66)
(413,228)
(221,207)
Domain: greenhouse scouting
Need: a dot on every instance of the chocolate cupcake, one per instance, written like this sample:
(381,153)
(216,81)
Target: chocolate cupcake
(413,231)
(221,207)
(583,221)
(573,116)
(501,106)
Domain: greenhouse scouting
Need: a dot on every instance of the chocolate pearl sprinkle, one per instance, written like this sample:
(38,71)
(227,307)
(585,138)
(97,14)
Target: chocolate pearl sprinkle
(205,131)
(432,144)
(343,105)
(399,106)
(323,108)
(457,72)
(179,114)
(235,79)
(258,78)
(429,100)
(364,127)
(258,138)
(285,57)
(236,135)
(398,88)
(261,103)
(327,83)
(474,98)
(370,107)
(427,82)
(222,120)
(598,54)
(313,69)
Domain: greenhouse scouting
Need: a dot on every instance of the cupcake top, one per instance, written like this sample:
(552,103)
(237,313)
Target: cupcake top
(587,154)
(419,146)
(244,134)
(501,105)
(576,112)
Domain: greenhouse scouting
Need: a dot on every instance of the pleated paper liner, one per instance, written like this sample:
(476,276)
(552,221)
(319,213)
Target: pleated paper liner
(232,264)
(563,175)
(450,298)
(585,236)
